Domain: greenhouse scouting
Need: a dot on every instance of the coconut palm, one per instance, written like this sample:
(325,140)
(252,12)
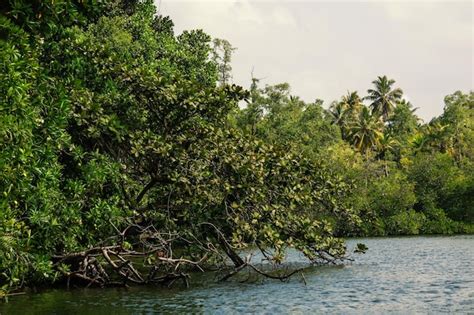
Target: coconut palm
(436,136)
(353,103)
(338,115)
(352,100)
(366,130)
(344,112)
(430,138)
(418,141)
(386,144)
(407,104)
(383,97)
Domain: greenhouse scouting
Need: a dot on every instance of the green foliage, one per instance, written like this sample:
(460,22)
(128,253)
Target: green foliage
(438,223)
(15,261)
(107,119)
(402,166)
(391,195)
(383,98)
(365,132)
(433,176)
(222,57)
(405,223)
(275,116)
(403,122)
(458,117)
(346,112)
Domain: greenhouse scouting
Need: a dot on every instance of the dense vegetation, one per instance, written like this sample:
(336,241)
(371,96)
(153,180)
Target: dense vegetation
(120,139)
(406,177)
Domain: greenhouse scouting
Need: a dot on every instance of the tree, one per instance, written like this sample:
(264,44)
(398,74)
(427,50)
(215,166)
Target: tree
(339,117)
(352,102)
(344,112)
(366,131)
(386,145)
(277,117)
(383,97)
(116,148)
(403,121)
(402,126)
(458,117)
(222,56)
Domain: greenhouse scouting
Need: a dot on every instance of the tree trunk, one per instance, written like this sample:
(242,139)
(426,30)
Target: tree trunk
(236,259)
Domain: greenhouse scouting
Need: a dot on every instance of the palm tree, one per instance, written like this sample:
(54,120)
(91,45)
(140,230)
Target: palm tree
(436,136)
(386,145)
(418,141)
(430,138)
(344,112)
(407,104)
(352,99)
(383,97)
(353,103)
(338,112)
(366,131)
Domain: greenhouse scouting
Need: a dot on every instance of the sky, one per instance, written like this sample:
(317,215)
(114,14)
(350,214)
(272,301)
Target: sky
(325,48)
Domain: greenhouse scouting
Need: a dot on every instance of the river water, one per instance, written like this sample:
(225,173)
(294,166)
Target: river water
(399,275)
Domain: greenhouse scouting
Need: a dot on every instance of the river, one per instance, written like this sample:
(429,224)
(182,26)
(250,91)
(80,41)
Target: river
(397,275)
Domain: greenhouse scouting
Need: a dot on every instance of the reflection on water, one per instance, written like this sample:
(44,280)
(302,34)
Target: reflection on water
(396,275)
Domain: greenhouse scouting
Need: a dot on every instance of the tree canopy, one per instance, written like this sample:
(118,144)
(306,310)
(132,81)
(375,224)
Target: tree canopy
(117,143)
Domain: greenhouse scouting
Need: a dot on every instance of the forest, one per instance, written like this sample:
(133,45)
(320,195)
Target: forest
(127,156)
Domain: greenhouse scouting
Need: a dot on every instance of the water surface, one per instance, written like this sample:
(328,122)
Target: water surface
(397,275)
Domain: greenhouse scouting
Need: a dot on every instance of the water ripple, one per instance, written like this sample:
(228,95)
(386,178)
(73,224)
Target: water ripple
(397,276)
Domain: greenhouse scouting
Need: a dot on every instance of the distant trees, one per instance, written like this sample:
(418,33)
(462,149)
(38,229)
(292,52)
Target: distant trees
(374,126)
(346,112)
(383,97)
(366,130)
(352,102)
(384,151)
(458,117)
(277,117)
(222,57)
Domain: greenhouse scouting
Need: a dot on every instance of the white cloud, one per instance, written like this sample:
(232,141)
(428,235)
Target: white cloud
(246,13)
(283,16)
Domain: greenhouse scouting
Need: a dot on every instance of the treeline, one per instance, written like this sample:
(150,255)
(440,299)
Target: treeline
(122,143)
(407,177)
